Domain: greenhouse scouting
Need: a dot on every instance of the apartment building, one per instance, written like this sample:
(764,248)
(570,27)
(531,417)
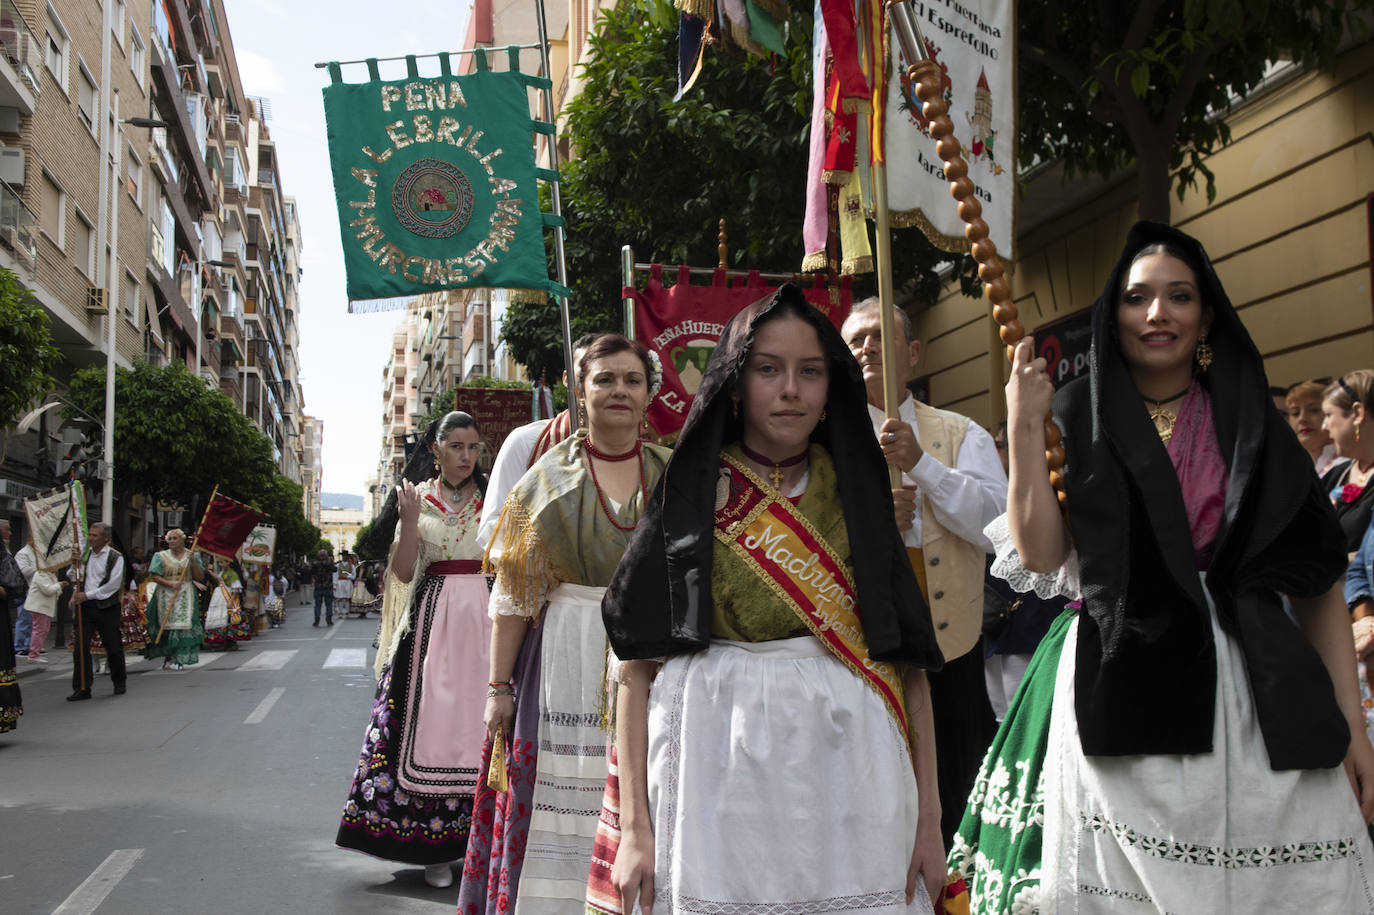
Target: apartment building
(183,239)
(312,433)
(400,396)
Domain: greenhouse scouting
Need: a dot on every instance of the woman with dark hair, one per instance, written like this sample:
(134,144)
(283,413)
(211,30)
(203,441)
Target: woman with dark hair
(1180,743)
(411,797)
(1347,412)
(770,767)
(561,533)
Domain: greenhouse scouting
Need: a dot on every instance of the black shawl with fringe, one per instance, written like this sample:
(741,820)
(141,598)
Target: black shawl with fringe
(659,601)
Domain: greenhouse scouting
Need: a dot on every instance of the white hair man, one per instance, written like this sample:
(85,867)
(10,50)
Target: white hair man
(953,485)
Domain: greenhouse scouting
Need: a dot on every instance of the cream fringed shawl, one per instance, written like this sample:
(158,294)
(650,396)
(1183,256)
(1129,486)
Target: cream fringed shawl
(443,534)
(554,529)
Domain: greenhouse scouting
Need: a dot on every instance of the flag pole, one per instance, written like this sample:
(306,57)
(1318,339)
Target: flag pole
(203,515)
(559,255)
(887,327)
(883,255)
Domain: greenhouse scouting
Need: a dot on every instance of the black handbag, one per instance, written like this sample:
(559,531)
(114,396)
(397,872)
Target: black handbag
(997,610)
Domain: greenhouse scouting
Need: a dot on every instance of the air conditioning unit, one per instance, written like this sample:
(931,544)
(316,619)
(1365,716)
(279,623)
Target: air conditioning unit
(12,165)
(96,303)
(226,283)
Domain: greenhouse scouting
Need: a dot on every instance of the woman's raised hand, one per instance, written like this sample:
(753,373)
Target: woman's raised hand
(1029,390)
(408,502)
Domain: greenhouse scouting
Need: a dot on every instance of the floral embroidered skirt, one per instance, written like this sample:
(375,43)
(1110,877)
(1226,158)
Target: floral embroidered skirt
(11,703)
(997,848)
(380,817)
(1049,829)
(501,820)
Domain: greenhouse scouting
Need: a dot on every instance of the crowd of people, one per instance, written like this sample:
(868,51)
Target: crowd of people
(171,605)
(813,658)
(706,663)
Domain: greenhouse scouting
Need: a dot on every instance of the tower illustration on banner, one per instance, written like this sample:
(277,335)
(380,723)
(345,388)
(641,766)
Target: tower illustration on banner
(981,134)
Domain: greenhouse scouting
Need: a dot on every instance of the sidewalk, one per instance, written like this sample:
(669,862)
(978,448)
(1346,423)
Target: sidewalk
(60,659)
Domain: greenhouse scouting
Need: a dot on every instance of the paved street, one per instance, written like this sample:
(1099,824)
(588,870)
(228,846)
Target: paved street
(211,790)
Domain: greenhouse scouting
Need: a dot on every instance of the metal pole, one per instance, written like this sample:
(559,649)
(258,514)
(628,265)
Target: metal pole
(627,279)
(103,280)
(560,258)
(320,65)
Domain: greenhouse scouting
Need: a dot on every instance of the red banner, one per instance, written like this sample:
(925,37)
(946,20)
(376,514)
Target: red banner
(682,323)
(497,411)
(225,525)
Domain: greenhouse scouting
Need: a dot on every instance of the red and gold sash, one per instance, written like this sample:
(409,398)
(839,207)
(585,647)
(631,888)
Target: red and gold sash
(788,554)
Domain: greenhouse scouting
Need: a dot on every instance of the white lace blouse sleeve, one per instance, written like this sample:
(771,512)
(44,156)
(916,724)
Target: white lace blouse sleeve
(1006,565)
(501,603)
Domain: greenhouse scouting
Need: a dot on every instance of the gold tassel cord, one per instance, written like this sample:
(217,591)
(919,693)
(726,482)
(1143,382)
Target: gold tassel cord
(518,557)
(498,778)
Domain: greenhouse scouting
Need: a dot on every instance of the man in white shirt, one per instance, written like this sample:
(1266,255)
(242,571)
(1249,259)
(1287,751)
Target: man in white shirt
(97,607)
(517,454)
(953,485)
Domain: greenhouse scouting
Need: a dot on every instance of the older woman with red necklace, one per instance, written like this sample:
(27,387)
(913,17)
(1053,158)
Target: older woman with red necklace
(560,536)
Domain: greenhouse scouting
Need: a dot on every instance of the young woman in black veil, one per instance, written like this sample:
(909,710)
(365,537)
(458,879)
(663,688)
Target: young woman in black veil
(783,759)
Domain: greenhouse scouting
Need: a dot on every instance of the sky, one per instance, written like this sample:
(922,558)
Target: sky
(277,43)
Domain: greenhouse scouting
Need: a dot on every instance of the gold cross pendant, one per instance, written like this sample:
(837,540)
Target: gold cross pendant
(776,476)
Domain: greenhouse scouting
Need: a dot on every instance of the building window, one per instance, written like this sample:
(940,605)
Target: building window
(83,245)
(131,297)
(58,49)
(136,61)
(54,205)
(85,95)
(133,177)
(117,27)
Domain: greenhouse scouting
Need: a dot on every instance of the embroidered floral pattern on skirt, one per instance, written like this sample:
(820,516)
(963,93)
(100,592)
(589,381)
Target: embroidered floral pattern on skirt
(382,819)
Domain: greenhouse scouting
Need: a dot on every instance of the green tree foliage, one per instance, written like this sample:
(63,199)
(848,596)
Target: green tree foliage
(364,549)
(660,174)
(176,439)
(1103,85)
(27,353)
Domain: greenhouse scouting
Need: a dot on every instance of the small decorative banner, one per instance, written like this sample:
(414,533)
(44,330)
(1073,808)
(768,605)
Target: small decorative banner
(225,525)
(436,182)
(57,521)
(260,546)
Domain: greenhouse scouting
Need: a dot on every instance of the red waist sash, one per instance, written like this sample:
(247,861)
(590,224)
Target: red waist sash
(454,567)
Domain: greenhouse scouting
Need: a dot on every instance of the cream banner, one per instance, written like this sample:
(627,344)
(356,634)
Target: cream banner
(973,41)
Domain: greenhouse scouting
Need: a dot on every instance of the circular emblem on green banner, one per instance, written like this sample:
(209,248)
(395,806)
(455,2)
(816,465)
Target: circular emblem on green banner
(432,198)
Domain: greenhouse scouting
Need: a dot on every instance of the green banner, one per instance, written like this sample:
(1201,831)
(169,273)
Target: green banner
(436,183)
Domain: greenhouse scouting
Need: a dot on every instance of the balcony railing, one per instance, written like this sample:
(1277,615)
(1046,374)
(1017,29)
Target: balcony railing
(19,45)
(17,223)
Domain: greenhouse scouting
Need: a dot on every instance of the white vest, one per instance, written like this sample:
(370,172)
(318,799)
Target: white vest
(953,566)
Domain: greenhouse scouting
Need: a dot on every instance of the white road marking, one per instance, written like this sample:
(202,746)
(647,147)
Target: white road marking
(346,657)
(87,897)
(268,660)
(332,630)
(265,706)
